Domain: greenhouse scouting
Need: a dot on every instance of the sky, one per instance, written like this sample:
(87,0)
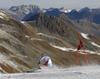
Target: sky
(71,4)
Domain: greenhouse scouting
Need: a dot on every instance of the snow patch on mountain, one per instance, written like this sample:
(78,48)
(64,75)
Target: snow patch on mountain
(74,50)
(63,48)
(85,36)
(71,49)
(2,15)
(33,38)
(95,44)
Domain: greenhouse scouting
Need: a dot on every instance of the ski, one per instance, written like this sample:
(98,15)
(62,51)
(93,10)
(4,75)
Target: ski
(33,70)
(30,71)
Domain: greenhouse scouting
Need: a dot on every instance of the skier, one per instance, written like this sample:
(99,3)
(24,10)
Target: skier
(47,60)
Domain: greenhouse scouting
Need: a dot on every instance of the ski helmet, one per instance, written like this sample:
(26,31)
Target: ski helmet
(43,55)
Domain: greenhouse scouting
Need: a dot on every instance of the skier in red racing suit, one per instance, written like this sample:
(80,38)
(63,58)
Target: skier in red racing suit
(47,60)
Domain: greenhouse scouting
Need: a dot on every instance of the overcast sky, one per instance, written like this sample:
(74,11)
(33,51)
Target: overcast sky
(72,4)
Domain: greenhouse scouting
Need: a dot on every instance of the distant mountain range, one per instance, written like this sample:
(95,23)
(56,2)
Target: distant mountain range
(91,15)
(23,12)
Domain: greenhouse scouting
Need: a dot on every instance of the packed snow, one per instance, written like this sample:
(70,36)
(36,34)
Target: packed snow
(79,72)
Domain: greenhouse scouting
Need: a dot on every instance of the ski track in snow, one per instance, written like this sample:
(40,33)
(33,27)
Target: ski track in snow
(80,72)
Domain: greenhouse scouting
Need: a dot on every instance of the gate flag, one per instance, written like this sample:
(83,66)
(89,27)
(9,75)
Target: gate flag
(80,45)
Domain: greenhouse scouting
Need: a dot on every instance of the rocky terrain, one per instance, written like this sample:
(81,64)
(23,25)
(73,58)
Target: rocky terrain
(23,42)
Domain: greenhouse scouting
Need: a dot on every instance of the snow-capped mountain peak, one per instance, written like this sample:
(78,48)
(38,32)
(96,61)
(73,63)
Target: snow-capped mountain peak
(65,10)
(83,9)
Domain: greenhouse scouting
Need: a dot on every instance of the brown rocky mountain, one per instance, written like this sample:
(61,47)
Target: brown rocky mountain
(57,27)
(92,29)
(22,43)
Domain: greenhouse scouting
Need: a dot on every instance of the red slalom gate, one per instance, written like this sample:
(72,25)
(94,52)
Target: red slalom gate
(80,45)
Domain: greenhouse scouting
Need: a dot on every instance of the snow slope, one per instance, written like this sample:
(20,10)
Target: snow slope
(79,72)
